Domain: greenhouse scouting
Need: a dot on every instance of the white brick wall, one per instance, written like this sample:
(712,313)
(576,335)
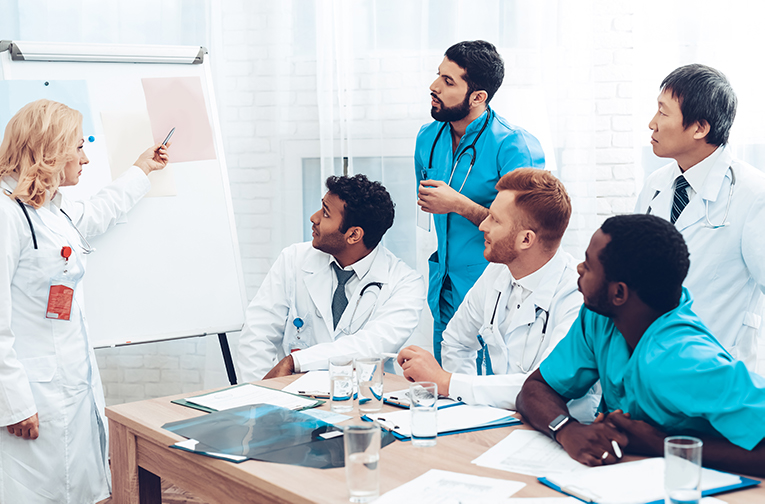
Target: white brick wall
(267,102)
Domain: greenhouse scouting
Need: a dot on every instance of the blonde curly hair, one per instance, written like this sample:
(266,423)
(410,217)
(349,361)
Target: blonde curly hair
(39,140)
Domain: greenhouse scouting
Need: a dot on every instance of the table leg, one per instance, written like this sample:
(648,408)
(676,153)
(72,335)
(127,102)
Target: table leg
(130,484)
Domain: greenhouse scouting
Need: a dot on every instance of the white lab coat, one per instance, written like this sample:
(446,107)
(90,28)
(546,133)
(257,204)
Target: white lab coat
(557,294)
(48,366)
(299,285)
(727,272)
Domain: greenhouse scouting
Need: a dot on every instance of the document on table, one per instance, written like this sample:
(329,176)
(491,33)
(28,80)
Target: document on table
(313,383)
(243,395)
(456,418)
(445,487)
(630,482)
(401,398)
(528,452)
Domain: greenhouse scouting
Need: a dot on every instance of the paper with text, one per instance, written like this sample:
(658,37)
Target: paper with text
(455,418)
(244,395)
(445,487)
(528,452)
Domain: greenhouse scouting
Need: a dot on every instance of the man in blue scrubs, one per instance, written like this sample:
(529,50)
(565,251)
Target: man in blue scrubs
(661,369)
(459,159)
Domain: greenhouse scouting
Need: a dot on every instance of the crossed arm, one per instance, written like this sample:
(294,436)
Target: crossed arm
(540,404)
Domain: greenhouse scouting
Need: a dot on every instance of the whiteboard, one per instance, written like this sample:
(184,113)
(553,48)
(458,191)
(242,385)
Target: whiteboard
(173,269)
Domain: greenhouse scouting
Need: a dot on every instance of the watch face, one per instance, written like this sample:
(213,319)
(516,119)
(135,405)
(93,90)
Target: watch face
(559,421)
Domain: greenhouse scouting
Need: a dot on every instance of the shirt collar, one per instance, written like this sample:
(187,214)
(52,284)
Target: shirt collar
(697,174)
(531,281)
(360,267)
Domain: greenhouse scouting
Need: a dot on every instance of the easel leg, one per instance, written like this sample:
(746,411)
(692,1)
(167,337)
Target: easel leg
(224,348)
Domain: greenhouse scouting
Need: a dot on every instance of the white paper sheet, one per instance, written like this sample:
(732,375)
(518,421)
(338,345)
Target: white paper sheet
(630,482)
(313,383)
(445,487)
(401,398)
(455,418)
(541,500)
(250,394)
(528,452)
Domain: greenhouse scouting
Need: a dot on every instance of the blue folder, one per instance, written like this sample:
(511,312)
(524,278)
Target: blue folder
(745,483)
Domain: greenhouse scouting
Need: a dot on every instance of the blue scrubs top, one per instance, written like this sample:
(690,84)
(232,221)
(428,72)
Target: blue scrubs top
(678,379)
(501,148)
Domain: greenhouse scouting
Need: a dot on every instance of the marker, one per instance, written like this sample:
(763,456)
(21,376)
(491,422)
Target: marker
(617,450)
(168,136)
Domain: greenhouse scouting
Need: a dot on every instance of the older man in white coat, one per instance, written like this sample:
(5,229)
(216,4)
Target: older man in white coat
(520,307)
(341,294)
(715,201)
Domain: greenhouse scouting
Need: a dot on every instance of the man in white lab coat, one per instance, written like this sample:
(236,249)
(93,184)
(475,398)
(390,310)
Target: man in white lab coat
(341,294)
(715,201)
(520,307)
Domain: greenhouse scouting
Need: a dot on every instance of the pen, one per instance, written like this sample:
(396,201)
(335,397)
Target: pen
(386,423)
(168,136)
(314,394)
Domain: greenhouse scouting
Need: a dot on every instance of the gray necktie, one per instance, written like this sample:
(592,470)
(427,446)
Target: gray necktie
(681,198)
(339,301)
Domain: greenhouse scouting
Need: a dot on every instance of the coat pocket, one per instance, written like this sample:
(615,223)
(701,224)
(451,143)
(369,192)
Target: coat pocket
(40,369)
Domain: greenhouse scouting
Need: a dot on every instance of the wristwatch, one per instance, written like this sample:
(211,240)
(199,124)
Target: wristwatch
(557,424)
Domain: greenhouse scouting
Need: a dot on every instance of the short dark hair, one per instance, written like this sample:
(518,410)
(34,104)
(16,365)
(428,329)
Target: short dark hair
(367,205)
(649,255)
(704,95)
(484,68)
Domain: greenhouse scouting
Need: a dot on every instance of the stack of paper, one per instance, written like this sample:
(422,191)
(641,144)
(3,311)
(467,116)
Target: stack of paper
(453,420)
(632,482)
(247,394)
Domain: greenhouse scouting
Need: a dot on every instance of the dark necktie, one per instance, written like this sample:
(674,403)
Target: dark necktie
(681,198)
(339,301)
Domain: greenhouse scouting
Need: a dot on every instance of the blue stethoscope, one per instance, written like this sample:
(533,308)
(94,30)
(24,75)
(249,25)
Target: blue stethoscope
(470,147)
(299,322)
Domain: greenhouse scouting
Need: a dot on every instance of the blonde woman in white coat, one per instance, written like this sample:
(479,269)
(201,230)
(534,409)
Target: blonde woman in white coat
(54,446)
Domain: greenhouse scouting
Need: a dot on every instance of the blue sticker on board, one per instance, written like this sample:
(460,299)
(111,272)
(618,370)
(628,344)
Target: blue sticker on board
(14,94)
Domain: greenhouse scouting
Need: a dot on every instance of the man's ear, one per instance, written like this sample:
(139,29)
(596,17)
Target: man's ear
(701,130)
(525,239)
(354,235)
(478,98)
(619,293)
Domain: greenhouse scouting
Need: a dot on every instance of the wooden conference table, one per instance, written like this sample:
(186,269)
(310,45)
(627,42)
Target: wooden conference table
(140,456)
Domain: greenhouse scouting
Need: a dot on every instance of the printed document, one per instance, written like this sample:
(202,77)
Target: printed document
(247,394)
(445,487)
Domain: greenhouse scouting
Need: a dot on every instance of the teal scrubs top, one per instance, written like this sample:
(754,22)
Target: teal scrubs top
(501,148)
(679,378)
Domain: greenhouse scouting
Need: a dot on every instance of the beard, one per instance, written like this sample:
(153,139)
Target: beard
(599,302)
(503,251)
(451,114)
(331,243)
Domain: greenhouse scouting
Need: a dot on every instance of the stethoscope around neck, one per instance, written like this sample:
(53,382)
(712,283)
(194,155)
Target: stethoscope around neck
(708,223)
(468,148)
(526,342)
(298,322)
(84,244)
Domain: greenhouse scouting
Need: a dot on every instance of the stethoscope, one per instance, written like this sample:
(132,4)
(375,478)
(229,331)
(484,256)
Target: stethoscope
(526,341)
(708,223)
(84,244)
(298,322)
(468,148)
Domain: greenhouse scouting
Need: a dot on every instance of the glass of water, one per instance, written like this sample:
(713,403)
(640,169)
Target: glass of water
(341,384)
(423,397)
(682,470)
(369,372)
(362,461)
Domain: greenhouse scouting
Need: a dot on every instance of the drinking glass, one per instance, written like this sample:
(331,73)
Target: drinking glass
(423,397)
(682,470)
(369,372)
(362,457)
(341,384)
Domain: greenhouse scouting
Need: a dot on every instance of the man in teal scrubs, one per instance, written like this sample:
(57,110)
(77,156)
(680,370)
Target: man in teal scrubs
(459,159)
(661,369)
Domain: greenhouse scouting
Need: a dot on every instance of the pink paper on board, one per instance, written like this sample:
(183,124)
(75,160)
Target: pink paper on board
(178,102)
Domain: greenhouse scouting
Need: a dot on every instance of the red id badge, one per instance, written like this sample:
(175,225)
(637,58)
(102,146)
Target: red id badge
(60,299)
